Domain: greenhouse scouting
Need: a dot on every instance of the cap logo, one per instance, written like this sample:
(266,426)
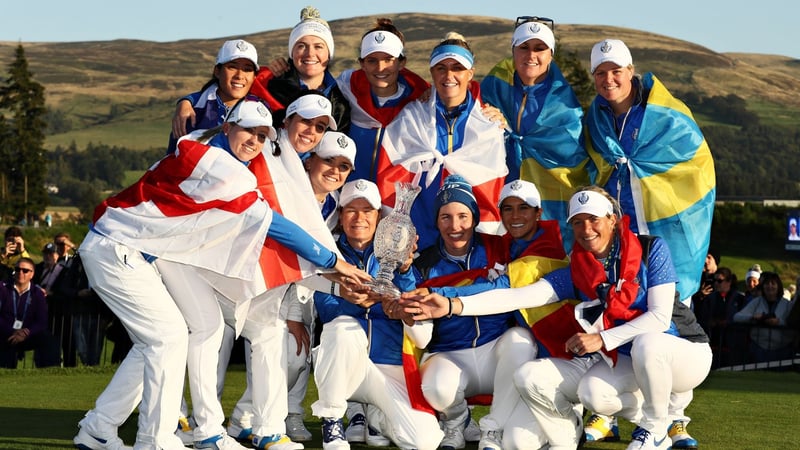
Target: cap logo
(606,48)
(322,102)
(342,141)
(535,27)
(242,46)
(446,197)
(361,185)
(379,38)
(583,198)
(516,185)
(262,110)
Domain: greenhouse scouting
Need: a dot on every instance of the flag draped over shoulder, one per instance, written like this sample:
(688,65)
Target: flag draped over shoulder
(363,112)
(284,184)
(554,323)
(198,206)
(409,148)
(550,153)
(673,168)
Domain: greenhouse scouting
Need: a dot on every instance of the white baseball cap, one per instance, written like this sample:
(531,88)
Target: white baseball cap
(311,106)
(381,41)
(611,50)
(589,202)
(237,49)
(251,114)
(752,274)
(335,144)
(523,190)
(534,30)
(356,189)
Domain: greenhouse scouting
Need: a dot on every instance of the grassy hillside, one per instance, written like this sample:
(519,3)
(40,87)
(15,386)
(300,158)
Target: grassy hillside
(122,92)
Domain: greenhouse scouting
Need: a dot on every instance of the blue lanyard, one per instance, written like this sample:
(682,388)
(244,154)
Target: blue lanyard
(27,303)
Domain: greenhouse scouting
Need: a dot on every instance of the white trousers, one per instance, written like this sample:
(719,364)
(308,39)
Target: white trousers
(448,378)
(549,387)
(153,371)
(653,386)
(343,371)
(198,304)
(266,394)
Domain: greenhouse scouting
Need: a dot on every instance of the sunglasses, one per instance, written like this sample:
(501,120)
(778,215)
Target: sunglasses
(545,20)
(24,270)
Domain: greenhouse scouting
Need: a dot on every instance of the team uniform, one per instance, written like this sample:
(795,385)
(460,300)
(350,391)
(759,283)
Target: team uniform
(655,161)
(544,139)
(665,364)
(370,115)
(360,359)
(157,218)
(427,143)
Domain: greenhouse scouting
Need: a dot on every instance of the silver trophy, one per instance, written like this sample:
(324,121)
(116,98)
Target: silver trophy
(394,239)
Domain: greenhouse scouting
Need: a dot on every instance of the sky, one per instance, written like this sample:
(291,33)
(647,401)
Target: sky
(765,26)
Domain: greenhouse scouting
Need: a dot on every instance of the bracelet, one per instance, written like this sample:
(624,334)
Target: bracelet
(450,307)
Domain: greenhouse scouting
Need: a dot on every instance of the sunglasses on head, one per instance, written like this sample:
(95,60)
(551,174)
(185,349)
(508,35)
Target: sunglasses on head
(545,20)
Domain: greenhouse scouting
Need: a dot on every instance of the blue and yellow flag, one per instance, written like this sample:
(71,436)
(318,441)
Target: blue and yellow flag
(669,173)
(547,151)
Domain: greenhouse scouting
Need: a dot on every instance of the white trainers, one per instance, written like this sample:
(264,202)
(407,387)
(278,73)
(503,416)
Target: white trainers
(376,439)
(85,441)
(453,435)
(491,440)
(219,442)
(356,432)
(645,440)
(296,429)
(473,432)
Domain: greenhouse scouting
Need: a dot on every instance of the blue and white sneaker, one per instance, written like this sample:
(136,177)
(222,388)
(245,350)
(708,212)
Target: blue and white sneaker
(645,440)
(681,440)
(219,442)
(333,434)
(356,431)
(86,441)
(241,434)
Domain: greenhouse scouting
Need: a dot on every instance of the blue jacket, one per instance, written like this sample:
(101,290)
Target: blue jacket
(460,332)
(385,335)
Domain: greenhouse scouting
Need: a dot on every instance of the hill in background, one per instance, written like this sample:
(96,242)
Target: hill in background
(122,92)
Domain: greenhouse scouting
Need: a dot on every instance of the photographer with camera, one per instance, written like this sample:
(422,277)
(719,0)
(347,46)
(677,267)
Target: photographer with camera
(13,251)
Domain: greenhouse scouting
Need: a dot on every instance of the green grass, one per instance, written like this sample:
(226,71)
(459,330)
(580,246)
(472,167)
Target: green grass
(40,408)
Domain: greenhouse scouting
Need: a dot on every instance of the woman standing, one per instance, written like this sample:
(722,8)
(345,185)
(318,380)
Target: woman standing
(544,140)
(652,157)
(446,135)
(377,92)
(311,50)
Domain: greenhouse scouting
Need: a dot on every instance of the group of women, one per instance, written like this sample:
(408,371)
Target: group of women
(222,236)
